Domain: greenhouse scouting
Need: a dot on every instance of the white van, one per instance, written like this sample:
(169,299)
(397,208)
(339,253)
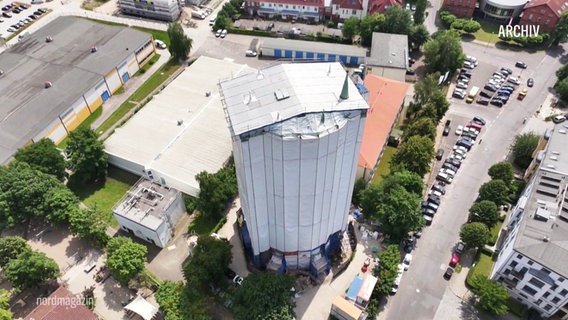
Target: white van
(160,44)
(212,20)
(37,2)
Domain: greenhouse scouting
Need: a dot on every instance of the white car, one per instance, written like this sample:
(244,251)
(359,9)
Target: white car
(396,284)
(459,130)
(514,80)
(407,261)
(218,33)
(435,193)
(458,157)
(461,85)
(460,148)
(468,65)
(449,172)
(460,152)
(472,59)
(224,33)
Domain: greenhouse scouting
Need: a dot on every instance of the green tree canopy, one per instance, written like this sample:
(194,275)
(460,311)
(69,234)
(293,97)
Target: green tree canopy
(125,258)
(562,73)
(43,156)
(418,36)
(419,13)
(425,89)
(410,181)
(180,44)
(440,104)
(30,269)
(388,270)
(414,155)
(87,159)
(261,294)
(215,189)
(471,26)
(561,88)
(485,212)
(59,202)
(523,148)
(11,248)
(493,298)
(397,21)
(209,260)
(398,212)
(370,199)
(502,170)
(444,52)
(447,17)
(350,28)
(474,234)
(169,296)
(89,224)
(360,185)
(495,191)
(5,314)
(420,127)
(560,32)
(371,24)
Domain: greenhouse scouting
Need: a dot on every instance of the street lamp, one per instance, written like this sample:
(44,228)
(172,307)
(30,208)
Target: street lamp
(490,39)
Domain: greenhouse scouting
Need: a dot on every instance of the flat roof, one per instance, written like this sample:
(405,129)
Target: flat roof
(389,50)
(386,97)
(367,288)
(26,107)
(347,307)
(354,288)
(155,139)
(312,46)
(281,92)
(543,231)
(146,203)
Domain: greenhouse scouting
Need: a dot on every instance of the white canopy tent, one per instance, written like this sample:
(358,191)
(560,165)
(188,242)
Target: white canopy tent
(142,308)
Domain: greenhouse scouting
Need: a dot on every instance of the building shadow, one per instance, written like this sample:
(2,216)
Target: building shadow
(115,295)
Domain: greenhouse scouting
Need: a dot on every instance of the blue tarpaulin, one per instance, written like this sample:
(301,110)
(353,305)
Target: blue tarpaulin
(354,288)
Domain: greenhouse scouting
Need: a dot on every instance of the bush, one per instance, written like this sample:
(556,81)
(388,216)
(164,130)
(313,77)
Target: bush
(260,33)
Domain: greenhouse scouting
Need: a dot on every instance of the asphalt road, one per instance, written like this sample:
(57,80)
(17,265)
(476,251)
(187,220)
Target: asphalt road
(422,293)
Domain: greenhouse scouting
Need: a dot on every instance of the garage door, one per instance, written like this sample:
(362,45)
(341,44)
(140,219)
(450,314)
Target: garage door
(287,53)
(343,59)
(353,60)
(125,77)
(331,58)
(277,53)
(321,56)
(309,55)
(105,95)
(299,55)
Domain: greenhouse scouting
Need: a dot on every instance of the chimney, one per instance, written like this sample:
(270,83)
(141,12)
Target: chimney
(345,91)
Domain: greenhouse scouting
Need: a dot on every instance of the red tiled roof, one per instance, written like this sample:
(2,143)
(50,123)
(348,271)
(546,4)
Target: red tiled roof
(378,6)
(61,305)
(348,4)
(557,6)
(385,100)
(313,3)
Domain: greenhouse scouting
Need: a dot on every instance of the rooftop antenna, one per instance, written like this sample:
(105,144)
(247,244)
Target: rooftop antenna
(345,91)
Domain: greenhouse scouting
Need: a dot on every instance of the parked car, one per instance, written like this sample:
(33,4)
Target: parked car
(439,154)
(468,65)
(463,79)
(11,29)
(446,165)
(513,80)
(454,162)
(218,33)
(559,119)
(224,33)
(465,73)
(427,219)
(447,127)
(472,60)
(6,15)
(464,143)
(461,153)
(448,274)
(508,87)
(503,97)
(479,120)
(439,188)
(496,102)
(238,281)
(459,130)
(520,64)
(435,200)
(530,82)
(429,205)
(458,94)
(490,87)
(508,70)
(486,94)
(230,274)
(407,261)
(483,102)
(454,260)
(460,247)
(396,283)
(428,211)
(461,85)
(449,172)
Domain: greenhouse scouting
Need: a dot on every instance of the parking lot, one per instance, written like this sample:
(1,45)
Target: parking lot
(17,16)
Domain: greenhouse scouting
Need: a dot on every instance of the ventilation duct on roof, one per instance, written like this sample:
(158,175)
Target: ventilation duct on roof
(48,84)
(93,49)
(48,39)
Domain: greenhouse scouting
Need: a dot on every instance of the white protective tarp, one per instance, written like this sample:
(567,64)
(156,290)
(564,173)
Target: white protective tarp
(142,308)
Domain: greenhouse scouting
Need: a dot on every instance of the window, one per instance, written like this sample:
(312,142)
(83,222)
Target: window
(542,11)
(545,270)
(353,11)
(561,279)
(563,292)
(529,290)
(539,301)
(546,294)
(537,283)
(530,263)
(530,17)
(538,21)
(555,300)
(547,307)
(513,264)
(519,256)
(293,7)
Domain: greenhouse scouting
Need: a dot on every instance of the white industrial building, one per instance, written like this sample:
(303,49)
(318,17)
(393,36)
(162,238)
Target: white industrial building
(166,10)
(150,211)
(533,257)
(297,131)
(181,131)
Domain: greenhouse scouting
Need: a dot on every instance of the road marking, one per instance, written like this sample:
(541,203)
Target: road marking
(442,266)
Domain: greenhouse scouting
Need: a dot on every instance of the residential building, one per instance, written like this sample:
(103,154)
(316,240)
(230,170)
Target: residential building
(342,10)
(76,64)
(297,130)
(165,10)
(501,10)
(544,13)
(150,211)
(389,56)
(533,254)
(163,141)
(61,305)
(281,48)
(386,101)
(308,10)
(381,6)
(460,8)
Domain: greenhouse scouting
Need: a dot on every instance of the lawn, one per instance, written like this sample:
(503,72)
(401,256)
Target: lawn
(116,116)
(157,34)
(92,4)
(105,195)
(148,65)
(495,233)
(85,124)
(483,265)
(383,167)
(488,32)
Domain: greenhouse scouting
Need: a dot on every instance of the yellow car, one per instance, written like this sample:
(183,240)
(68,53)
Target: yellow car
(522,94)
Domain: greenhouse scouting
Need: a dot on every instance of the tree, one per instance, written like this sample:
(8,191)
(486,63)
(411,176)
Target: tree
(523,148)
(425,89)
(125,258)
(471,26)
(388,270)
(87,159)
(180,44)
(493,297)
(474,234)
(562,73)
(418,36)
(59,202)
(397,21)
(89,224)
(420,127)
(485,212)
(419,13)
(215,190)
(458,24)
(370,200)
(43,156)
(11,248)
(261,293)
(447,17)
(371,24)
(414,155)
(561,30)
(360,185)
(410,181)
(30,268)
(222,21)
(398,212)
(168,297)
(440,104)
(350,27)
(502,170)
(5,314)
(210,259)
(495,191)
(22,191)
(561,88)
(444,52)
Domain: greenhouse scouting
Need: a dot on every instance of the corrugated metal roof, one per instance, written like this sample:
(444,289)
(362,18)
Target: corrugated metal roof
(312,46)
(252,101)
